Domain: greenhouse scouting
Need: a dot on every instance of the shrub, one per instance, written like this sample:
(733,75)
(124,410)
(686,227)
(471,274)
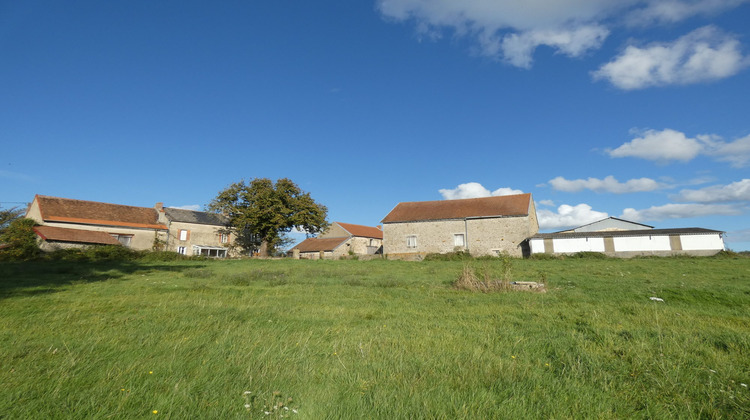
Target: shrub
(450,256)
(590,255)
(19,241)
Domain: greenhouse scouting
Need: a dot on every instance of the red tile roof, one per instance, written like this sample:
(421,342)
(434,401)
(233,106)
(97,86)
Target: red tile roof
(363,231)
(58,234)
(54,209)
(319,244)
(502,206)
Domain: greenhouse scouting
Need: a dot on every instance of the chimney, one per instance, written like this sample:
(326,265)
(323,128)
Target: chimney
(159,207)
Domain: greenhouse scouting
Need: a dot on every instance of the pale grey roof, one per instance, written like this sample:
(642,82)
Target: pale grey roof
(192,216)
(610,223)
(620,233)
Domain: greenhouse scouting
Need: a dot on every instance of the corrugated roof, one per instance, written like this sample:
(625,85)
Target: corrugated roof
(620,233)
(191,216)
(502,206)
(363,231)
(319,244)
(58,234)
(55,209)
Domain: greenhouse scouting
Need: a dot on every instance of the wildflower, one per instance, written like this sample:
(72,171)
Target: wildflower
(247,392)
(745,385)
(294,411)
(247,405)
(656,299)
(122,389)
(512,357)
(546,364)
(150,372)
(155,411)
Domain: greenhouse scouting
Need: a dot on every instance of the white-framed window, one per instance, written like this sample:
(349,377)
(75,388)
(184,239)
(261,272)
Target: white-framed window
(181,250)
(459,240)
(183,234)
(123,239)
(224,238)
(411,241)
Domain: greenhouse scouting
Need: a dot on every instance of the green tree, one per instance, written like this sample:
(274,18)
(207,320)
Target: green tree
(19,240)
(261,211)
(9,215)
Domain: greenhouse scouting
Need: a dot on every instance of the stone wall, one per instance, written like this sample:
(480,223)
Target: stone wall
(482,236)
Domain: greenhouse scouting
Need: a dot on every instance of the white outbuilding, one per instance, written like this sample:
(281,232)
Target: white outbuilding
(635,240)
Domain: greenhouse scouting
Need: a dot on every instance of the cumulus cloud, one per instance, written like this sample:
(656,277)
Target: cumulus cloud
(662,145)
(734,192)
(519,48)
(475,190)
(512,30)
(668,144)
(568,216)
(703,55)
(609,184)
(680,211)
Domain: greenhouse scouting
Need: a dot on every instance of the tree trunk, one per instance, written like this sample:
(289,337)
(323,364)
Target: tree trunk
(263,251)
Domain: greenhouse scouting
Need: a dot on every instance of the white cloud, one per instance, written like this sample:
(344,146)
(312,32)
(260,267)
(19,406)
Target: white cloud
(660,145)
(519,48)
(475,190)
(568,216)
(737,153)
(671,11)
(738,236)
(668,144)
(194,207)
(512,30)
(548,203)
(609,184)
(736,191)
(679,211)
(705,54)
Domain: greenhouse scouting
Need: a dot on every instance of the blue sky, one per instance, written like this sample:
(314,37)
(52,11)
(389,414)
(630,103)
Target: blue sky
(628,108)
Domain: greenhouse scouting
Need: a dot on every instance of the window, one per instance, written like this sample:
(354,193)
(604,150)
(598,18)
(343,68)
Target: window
(224,238)
(459,240)
(411,241)
(123,239)
(181,250)
(183,235)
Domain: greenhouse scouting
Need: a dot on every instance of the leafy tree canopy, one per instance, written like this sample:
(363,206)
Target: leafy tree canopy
(18,240)
(9,215)
(259,212)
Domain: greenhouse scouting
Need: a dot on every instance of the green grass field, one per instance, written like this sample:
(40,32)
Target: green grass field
(374,339)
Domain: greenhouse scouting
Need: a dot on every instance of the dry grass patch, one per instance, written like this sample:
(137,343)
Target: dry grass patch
(482,280)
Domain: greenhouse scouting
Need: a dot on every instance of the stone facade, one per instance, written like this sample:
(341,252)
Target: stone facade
(139,236)
(483,235)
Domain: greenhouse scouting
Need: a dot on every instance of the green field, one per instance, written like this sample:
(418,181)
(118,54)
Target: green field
(374,339)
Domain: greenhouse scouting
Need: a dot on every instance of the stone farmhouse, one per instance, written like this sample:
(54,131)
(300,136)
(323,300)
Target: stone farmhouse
(480,226)
(339,240)
(69,223)
(622,238)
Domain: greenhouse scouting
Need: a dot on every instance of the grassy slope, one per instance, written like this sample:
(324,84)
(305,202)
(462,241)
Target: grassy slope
(376,339)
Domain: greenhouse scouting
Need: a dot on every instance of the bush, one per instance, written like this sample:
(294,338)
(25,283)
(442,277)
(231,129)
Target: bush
(543,256)
(451,256)
(19,241)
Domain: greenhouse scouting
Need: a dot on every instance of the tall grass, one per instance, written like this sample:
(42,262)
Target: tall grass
(374,339)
